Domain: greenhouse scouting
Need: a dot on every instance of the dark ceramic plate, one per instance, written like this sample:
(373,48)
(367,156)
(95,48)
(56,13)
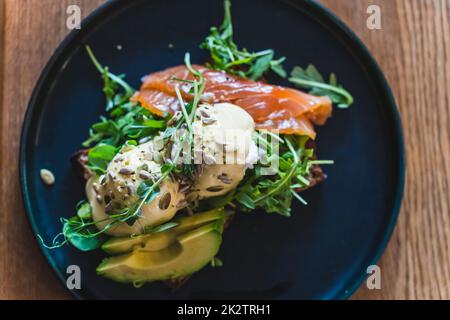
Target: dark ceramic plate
(323,250)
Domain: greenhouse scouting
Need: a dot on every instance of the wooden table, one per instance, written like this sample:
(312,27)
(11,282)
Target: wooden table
(413,49)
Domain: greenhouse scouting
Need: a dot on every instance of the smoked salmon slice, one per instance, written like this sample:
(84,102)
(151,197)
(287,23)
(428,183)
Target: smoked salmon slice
(272,107)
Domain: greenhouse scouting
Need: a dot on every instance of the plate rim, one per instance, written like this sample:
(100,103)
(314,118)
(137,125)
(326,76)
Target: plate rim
(369,60)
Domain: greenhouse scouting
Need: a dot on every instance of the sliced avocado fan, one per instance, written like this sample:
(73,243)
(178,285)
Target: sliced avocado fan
(189,252)
(161,240)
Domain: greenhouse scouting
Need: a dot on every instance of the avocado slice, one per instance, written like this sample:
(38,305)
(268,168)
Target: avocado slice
(190,252)
(161,240)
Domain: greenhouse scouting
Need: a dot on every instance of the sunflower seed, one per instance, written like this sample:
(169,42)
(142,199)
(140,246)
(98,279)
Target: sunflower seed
(209,159)
(130,189)
(144,140)
(47,176)
(208,121)
(144,175)
(164,202)
(119,158)
(126,171)
(215,188)
(204,113)
(185,188)
(225,178)
(99,199)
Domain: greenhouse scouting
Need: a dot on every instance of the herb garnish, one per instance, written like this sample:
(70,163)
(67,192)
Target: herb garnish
(273,193)
(310,78)
(127,122)
(226,55)
(111,85)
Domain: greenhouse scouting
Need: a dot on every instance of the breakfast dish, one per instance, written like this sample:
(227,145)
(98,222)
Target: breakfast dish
(170,164)
(322,250)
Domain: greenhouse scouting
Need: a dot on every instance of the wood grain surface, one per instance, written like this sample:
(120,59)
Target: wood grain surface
(413,49)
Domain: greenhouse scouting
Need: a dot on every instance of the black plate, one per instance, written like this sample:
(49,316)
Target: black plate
(323,250)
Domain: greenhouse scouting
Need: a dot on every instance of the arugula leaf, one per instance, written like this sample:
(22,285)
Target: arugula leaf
(127,121)
(226,55)
(277,67)
(310,78)
(100,156)
(112,83)
(245,199)
(275,193)
(260,65)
